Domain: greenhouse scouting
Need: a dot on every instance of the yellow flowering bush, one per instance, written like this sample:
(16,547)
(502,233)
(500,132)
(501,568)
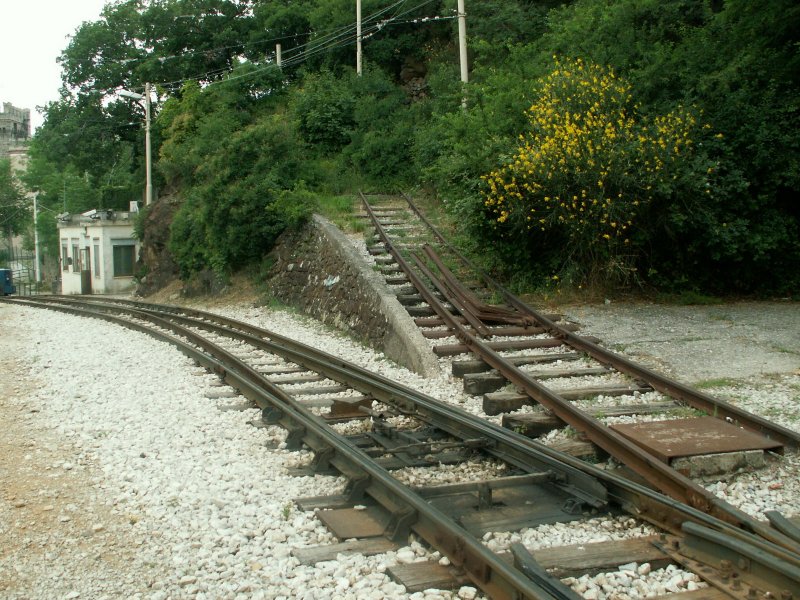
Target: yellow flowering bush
(589,166)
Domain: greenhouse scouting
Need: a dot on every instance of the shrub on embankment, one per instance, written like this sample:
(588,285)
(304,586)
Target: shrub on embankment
(248,144)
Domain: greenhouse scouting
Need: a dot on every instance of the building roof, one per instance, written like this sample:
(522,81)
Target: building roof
(96,218)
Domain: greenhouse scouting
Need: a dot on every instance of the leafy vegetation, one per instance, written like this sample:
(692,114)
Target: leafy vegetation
(580,185)
(14,211)
(639,142)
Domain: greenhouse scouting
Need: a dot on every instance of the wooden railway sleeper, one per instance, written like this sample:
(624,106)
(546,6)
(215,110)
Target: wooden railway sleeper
(507,585)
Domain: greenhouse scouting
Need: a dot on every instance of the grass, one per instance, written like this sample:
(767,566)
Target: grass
(341,209)
(715,383)
(686,412)
(783,349)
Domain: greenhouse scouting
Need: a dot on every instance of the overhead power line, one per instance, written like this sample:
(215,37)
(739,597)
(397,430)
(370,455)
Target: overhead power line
(332,39)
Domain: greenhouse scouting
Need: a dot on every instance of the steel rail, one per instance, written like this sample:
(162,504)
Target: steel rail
(637,500)
(451,420)
(682,392)
(458,423)
(655,472)
(488,571)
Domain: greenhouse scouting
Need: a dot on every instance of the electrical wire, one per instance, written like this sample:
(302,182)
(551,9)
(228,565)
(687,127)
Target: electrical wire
(372,27)
(334,38)
(333,33)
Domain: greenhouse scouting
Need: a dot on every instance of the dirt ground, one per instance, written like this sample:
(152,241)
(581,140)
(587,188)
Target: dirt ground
(50,514)
(52,509)
(694,344)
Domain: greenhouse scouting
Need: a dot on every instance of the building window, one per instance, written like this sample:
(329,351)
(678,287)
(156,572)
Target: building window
(76,261)
(123,260)
(64,257)
(97,260)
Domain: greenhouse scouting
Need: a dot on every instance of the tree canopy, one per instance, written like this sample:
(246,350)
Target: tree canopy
(234,136)
(14,212)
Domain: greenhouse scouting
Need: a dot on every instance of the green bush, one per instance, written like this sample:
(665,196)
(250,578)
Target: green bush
(324,107)
(587,171)
(383,131)
(246,194)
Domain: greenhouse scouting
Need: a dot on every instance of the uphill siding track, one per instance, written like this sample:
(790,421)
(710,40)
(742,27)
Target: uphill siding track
(472,322)
(434,433)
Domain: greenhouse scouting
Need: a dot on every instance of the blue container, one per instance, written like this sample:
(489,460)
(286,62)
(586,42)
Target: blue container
(6,282)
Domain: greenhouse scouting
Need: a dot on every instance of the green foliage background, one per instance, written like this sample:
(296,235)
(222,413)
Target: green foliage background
(247,147)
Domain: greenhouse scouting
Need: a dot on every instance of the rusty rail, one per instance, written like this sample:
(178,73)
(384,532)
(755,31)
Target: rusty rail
(658,474)
(684,393)
(636,499)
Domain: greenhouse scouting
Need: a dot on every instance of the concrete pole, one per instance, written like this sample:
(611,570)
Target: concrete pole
(462,41)
(358,37)
(147,155)
(36,239)
(278,55)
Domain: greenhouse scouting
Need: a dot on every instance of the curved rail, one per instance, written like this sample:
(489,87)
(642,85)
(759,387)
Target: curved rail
(375,481)
(494,576)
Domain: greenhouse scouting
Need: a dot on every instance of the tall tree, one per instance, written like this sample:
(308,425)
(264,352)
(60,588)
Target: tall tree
(14,209)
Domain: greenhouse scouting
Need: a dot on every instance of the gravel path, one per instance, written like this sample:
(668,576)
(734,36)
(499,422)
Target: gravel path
(120,482)
(701,343)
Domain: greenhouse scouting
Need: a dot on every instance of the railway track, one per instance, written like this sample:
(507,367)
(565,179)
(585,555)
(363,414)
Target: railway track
(445,307)
(394,429)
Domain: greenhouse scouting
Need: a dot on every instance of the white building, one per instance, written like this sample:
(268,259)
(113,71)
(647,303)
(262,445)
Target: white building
(98,252)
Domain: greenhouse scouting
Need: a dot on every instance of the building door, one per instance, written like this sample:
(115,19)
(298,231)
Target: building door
(86,271)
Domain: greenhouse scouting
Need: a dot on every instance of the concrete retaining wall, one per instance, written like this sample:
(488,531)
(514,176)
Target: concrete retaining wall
(319,272)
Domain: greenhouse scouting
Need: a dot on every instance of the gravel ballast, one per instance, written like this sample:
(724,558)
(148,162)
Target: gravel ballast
(121,479)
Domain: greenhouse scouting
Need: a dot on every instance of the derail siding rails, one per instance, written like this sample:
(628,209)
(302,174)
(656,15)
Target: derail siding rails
(465,317)
(449,517)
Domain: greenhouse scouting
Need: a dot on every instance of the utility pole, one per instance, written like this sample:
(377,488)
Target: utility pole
(278,55)
(358,37)
(147,155)
(462,41)
(36,239)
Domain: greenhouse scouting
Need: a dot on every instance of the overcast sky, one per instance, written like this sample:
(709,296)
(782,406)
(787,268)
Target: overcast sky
(34,34)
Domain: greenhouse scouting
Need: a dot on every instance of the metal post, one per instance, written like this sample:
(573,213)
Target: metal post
(38,270)
(148,158)
(462,41)
(358,37)
(278,55)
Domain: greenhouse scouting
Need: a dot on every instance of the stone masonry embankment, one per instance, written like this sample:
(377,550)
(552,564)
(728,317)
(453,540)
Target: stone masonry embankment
(318,271)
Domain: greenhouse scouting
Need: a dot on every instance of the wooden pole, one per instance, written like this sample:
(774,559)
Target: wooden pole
(359,56)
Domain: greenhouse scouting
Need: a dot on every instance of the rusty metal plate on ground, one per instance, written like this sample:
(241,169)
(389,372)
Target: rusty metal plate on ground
(693,437)
(347,523)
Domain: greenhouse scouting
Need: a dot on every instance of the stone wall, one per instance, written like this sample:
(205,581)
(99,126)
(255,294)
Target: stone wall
(318,271)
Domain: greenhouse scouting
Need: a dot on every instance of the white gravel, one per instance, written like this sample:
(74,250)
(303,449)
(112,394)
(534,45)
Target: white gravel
(202,501)
(206,496)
